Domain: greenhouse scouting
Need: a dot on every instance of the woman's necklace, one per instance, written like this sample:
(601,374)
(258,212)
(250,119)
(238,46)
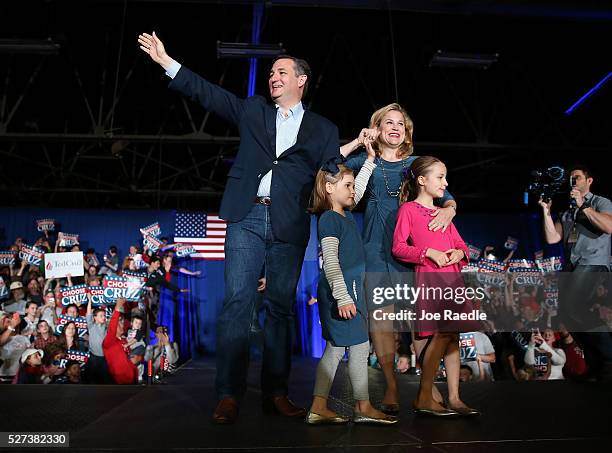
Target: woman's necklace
(391,193)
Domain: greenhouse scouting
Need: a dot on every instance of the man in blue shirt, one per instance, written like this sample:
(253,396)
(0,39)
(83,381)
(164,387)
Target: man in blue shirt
(265,204)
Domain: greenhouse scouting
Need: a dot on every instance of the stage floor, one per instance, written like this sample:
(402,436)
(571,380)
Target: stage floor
(527,416)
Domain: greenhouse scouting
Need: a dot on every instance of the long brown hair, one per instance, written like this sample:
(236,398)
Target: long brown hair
(420,167)
(320,197)
(405,148)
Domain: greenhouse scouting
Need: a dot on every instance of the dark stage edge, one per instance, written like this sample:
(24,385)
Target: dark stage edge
(528,416)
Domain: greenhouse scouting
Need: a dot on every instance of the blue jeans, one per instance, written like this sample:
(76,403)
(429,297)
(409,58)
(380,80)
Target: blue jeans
(249,245)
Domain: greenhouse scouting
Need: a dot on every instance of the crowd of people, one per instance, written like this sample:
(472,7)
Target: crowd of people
(45,340)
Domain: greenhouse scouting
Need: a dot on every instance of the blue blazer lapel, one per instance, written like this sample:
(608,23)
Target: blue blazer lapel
(270,122)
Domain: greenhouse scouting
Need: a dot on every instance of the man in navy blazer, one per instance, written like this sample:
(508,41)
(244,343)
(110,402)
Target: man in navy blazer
(265,204)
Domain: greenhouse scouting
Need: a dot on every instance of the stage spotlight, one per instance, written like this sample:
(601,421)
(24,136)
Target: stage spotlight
(29,46)
(463,60)
(248,50)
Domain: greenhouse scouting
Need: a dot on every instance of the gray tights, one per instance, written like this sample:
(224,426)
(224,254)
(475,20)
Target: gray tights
(357,368)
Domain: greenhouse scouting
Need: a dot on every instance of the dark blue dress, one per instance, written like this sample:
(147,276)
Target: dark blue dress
(339,331)
(381,216)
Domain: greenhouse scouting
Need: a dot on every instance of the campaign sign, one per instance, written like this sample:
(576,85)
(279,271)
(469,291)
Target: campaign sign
(74,295)
(152,242)
(126,288)
(474,252)
(97,295)
(467,347)
(4,291)
(81,324)
(31,255)
(550,264)
(540,362)
(67,240)
(490,276)
(527,277)
(58,265)
(182,251)
(7,258)
(511,243)
(140,276)
(92,259)
(551,296)
(77,356)
(45,225)
(138,261)
(521,263)
(151,230)
(497,266)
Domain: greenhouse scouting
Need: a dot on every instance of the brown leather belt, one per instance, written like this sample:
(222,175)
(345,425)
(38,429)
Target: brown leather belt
(263,200)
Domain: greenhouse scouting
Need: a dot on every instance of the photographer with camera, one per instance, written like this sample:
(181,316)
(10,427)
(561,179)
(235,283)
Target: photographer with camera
(585,229)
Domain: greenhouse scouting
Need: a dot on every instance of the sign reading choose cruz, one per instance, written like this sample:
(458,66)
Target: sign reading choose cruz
(121,287)
(58,265)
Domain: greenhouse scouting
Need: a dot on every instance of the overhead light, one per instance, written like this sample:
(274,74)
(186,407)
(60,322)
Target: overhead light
(463,60)
(248,50)
(29,46)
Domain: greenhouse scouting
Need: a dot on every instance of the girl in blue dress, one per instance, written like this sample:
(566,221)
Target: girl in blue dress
(342,307)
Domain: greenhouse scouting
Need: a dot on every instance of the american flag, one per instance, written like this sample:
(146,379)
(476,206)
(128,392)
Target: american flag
(205,232)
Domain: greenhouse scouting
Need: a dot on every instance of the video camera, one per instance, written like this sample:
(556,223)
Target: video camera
(548,182)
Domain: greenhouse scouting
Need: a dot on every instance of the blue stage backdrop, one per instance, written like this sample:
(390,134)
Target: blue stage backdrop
(191,317)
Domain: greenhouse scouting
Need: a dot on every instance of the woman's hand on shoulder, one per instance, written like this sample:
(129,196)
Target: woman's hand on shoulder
(442,218)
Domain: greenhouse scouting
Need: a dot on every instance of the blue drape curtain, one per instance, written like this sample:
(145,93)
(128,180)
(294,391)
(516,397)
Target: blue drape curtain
(191,317)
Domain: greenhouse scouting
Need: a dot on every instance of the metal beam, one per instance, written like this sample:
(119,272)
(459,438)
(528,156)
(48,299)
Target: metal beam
(207,139)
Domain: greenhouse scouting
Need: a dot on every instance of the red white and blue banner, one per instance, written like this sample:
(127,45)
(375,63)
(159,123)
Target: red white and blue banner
(67,240)
(7,258)
(467,347)
(45,225)
(152,230)
(79,321)
(74,295)
(31,255)
(128,288)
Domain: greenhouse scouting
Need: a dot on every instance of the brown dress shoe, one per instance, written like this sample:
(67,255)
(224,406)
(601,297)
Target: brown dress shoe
(281,405)
(226,412)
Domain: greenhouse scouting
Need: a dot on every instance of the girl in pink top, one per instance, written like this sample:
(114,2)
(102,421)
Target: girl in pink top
(437,257)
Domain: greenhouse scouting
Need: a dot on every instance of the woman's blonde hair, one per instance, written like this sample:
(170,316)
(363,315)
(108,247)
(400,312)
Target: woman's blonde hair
(405,148)
(320,197)
(420,167)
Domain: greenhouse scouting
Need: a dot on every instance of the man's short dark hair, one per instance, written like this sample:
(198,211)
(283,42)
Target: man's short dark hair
(155,259)
(583,168)
(98,310)
(301,67)
(72,305)
(113,248)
